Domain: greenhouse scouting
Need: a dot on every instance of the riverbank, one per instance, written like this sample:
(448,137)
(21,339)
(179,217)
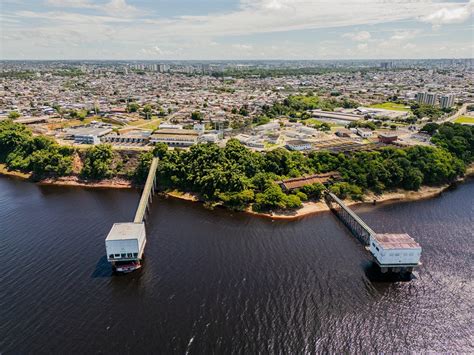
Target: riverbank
(308,208)
(312,208)
(4,171)
(116,183)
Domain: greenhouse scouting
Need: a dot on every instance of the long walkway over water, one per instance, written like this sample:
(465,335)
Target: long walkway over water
(392,252)
(356,225)
(148,191)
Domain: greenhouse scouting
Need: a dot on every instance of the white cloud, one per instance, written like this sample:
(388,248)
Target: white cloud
(242,46)
(112,7)
(84,4)
(404,35)
(458,13)
(120,28)
(120,8)
(358,36)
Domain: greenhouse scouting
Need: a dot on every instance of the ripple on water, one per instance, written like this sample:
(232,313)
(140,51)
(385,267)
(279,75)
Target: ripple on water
(215,281)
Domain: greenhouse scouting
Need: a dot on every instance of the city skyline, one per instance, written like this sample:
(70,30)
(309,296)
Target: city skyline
(240,30)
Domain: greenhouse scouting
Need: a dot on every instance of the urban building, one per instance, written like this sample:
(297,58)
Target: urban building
(87,135)
(175,137)
(427,98)
(141,137)
(387,138)
(298,145)
(364,133)
(431,99)
(447,101)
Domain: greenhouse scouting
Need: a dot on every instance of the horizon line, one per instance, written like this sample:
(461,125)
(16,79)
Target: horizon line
(242,60)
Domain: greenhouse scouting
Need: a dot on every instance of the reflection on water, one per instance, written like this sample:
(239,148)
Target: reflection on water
(215,281)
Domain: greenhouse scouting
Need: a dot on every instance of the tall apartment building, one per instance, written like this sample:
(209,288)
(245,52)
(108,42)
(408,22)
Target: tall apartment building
(427,98)
(431,99)
(447,101)
(420,97)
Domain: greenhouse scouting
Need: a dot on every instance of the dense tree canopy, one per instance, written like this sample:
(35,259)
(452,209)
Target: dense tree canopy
(295,106)
(98,162)
(238,177)
(40,155)
(457,139)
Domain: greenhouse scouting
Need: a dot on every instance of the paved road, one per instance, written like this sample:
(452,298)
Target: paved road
(458,113)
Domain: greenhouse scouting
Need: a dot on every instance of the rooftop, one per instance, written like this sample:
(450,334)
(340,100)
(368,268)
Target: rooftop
(124,231)
(186,132)
(396,241)
(295,183)
(85,131)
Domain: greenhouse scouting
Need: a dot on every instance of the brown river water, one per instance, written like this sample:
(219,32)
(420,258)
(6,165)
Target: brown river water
(222,282)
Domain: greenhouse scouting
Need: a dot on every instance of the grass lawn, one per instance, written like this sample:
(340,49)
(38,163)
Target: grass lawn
(312,121)
(464,119)
(146,124)
(391,106)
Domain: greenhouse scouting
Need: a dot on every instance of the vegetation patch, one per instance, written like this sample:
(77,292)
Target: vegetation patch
(465,119)
(391,106)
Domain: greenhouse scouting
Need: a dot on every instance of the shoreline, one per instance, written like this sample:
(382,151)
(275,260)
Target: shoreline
(313,208)
(308,209)
(70,181)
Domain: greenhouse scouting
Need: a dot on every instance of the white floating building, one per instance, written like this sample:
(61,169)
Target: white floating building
(395,250)
(125,245)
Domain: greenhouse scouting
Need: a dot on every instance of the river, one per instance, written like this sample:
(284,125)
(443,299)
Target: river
(222,282)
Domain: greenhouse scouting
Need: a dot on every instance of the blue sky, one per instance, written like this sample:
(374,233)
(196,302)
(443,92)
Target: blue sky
(236,29)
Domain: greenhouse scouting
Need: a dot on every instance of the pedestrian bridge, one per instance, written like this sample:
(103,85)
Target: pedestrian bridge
(147,194)
(355,224)
(392,252)
(398,253)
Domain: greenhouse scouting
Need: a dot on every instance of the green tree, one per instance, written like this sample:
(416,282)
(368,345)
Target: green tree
(13,115)
(133,107)
(147,109)
(430,128)
(98,162)
(237,200)
(141,171)
(160,150)
(196,116)
(313,191)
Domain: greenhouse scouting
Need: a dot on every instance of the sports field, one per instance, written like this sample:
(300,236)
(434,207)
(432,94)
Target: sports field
(391,106)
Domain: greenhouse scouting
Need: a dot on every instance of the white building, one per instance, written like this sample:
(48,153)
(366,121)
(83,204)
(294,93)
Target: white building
(364,133)
(87,135)
(200,127)
(421,97)
(431,99)
(309,131)
(209,137)
(175,137)
(298,145)
(272,126)
(393,250)
(447,101)
(170,126)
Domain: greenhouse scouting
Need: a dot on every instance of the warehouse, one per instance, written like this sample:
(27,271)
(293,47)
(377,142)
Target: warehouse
(175,137)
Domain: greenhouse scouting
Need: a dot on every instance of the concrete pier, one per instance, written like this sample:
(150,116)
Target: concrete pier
(147,193)
(397,253)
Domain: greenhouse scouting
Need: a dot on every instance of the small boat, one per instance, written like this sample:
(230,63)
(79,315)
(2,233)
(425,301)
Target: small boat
(129,267)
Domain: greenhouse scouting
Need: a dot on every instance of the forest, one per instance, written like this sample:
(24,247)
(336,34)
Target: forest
(237,177)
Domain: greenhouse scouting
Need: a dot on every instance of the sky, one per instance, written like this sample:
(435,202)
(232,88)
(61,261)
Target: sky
(236,29)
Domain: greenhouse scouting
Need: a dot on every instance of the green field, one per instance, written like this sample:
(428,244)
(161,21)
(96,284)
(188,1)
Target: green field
(464,119)
(391,106)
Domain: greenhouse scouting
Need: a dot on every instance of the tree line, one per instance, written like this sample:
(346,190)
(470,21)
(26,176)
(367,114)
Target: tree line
(237,177)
